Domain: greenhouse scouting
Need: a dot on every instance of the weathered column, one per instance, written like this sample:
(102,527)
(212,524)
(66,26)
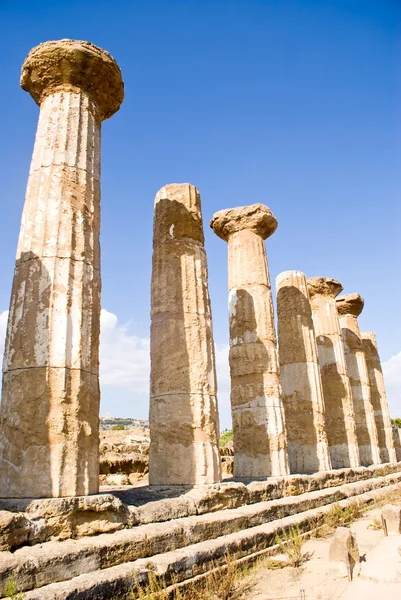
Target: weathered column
(302,391)
(396,432)
(349,308)
(378,398)
(184,423)
(260,444)
(340,417)
(50,403)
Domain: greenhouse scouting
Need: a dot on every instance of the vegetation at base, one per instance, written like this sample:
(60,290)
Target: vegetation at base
(225,437)
(117,427)
(376,524)
(339,516)
(10,590)
(291,543)
(220,584)
(396,422)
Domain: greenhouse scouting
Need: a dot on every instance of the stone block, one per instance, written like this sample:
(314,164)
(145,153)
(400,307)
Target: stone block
(344,552)
(391,518)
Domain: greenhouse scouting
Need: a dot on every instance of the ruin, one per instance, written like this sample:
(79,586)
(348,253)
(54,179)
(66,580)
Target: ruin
(349,308)
(302,391)
(379,398)
(260,444)
(340,417)
(184,423)
(50,401)
(62,538)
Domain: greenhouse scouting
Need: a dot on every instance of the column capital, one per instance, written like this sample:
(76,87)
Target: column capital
(324,286)
(256,217)
(71,64)
(350,304)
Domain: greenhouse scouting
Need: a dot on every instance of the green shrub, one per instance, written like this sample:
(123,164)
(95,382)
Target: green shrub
(225,437)
(117,427)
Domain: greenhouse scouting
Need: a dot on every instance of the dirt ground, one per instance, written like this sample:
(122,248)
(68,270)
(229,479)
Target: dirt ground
(318,579)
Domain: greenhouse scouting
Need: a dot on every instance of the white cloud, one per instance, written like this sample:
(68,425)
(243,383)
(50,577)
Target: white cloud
(392,379)
(223,385)
(125,366)
(124,357)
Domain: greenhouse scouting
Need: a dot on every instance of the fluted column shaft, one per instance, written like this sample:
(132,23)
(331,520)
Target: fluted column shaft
(379,398)
(340,417)
(51,354)
(50,398)
(260,444)
(302,391)
(184,423)
(349,307)
(396,433)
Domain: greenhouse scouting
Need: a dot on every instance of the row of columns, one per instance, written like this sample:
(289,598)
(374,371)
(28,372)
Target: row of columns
(313,401)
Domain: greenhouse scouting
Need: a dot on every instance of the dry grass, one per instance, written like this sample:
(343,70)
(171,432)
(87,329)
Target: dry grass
(291,543)
(376,524)
(219,584)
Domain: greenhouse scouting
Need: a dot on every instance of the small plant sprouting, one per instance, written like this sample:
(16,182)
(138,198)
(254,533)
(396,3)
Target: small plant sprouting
(291,544)
(376,524)
(10,590)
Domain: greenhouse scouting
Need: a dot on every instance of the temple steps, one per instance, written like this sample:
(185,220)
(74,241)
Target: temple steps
(184,545)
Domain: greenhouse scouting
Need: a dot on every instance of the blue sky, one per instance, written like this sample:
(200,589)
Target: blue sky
(295,104)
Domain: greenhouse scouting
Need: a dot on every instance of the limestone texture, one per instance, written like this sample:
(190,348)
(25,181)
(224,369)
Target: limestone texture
(349,308)
(302,391)
(344,553)
(184,423)
(340,416)
(50,400)
(391,518)
(396,432)
(174,550)
(379,398)
(260,442)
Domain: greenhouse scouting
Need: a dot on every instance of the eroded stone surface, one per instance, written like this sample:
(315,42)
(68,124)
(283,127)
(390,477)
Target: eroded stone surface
(184,424)
(302,391)
(257,410)
(340,417)
(391,517)
(396,433)
(349,308)
(344,552)
(379,398)
(50,404)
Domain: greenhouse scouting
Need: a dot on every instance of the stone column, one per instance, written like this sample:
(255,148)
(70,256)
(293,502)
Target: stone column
(349,308)
(340,416)
(396,432)
(301,383)
(50,402)
(260,444)
(379,399)
(184,423)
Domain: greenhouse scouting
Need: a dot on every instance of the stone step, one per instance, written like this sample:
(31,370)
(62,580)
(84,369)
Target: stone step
(35,521)
(181,566)
(47,563)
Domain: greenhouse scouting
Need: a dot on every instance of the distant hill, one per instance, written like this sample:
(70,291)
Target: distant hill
(108,422)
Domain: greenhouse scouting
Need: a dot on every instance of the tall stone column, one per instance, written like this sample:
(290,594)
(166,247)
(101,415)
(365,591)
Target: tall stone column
(184,423)
(349,308)
(50,400)
(340,416)
(379,398)
(302,391)
(260,444)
